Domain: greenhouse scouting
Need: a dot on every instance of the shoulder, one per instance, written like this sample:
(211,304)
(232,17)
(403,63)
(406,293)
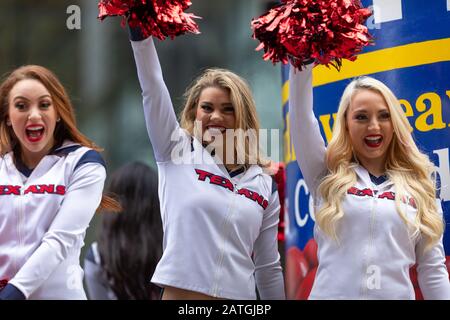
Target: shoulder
(274,185)
(79,154)
(90,156)
(270,181)
(269,184)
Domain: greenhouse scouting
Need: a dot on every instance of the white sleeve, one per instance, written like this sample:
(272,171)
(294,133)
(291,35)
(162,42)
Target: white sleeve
(432,273)
(308,143)
(66,232)
(268,273)
(159,115)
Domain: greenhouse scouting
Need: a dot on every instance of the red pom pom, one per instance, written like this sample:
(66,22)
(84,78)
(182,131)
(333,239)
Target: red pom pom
(305,287)
(325,31)
(158,18)
(3,283)
(279,175)
(296,270)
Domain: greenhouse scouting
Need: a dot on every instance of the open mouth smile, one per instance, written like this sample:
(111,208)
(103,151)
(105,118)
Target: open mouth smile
(214,129)
(34,133)
(373,141)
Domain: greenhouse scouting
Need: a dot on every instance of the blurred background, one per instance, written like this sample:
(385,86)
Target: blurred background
(95,64)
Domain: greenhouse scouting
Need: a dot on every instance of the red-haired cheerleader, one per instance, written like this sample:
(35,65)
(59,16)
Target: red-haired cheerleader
(51,183)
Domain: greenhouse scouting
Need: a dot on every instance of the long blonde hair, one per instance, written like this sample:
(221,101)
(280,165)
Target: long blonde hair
(406,166)
(242,101)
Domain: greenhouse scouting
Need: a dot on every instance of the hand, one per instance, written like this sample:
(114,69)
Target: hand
(295,63)
(135,33)
(10,292)
(309,61)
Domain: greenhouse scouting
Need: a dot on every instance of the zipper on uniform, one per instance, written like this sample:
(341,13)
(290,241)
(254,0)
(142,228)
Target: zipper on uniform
(20,215)
(370,246)
(222,249)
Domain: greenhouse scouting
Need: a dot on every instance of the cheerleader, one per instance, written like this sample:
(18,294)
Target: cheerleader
(51,182)
(376,211)
(220,218)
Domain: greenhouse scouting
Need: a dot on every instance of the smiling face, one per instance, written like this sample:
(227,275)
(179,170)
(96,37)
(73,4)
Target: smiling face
(370,129)
(33,117)
(215,111)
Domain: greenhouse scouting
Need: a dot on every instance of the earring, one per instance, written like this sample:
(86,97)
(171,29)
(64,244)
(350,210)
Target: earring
(8,123)
(58,120)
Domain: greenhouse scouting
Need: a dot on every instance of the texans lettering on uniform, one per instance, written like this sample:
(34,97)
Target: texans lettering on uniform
(385,195)
(227,184)
(35,189)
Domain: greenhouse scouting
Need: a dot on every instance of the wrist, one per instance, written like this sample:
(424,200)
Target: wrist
(136,34)
(10,292)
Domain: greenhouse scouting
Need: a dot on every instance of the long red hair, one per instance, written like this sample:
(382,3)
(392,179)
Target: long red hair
(66,128)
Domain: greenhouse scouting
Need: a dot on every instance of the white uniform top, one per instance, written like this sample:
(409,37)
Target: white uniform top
(376,250)
(43,220)
(220,232)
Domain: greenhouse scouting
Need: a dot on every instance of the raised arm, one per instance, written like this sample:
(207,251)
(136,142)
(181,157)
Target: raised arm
(305,131)
(159,115)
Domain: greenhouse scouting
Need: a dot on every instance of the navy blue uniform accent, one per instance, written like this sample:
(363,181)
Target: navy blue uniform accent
(378,180)
(91,156)
(60,152)
(88,157)
(236,172)
(23,169)
(64,151)
(10,292)
(135,34)
(274,185)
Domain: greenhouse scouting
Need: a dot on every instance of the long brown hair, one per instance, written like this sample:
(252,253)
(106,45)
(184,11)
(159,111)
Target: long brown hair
(65,129)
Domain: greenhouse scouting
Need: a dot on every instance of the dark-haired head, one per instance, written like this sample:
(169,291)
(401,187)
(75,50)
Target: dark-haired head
(130,243)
